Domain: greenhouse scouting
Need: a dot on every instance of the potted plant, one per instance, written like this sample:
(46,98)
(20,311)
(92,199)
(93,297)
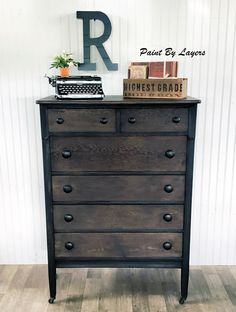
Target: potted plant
(64,61)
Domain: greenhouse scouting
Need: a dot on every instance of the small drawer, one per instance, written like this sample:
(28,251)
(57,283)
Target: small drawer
(118,245)
(81,120)
(130,188)
(136,153)
(154,120)
(76,218)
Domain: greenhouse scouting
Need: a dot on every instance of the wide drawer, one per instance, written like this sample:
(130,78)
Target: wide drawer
(118,245)
(76,218)
(154,120)
(163,188)
(150,153)
(82,120)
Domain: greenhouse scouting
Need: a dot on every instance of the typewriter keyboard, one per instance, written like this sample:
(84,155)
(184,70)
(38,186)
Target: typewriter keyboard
(83,90)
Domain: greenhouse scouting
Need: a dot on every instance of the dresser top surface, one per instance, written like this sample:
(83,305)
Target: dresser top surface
(117,100)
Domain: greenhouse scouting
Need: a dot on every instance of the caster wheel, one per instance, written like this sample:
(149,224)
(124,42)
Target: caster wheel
(181,300)
(51,300)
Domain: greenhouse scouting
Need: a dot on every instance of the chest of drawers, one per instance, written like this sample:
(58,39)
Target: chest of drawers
(118,183)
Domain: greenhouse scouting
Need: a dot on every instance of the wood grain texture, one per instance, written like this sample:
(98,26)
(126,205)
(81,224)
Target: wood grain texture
(107,300)
(116,290)
(116,217)
(81,120)
(119,100)
(118,153)
(152,120)
(118,245)
(164,247)
(119,188)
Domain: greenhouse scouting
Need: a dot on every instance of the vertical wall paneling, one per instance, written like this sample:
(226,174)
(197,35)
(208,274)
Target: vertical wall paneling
(34,31)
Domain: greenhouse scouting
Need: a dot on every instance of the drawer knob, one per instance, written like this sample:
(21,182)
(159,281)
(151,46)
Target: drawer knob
(67,188)
(104,120)
(132,120)
(68,217)
(168,188)
(66,153)
(60,120)
(170,154)
(176,119)
(69,245)
(167,217)
(167,245)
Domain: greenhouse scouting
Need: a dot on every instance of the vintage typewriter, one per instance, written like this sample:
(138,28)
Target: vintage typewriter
(77,87)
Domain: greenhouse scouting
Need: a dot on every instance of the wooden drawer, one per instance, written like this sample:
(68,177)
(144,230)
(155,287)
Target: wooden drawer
(118,245)
(81,120)
(154,120)
(76,218)
(102,188)
(153,153)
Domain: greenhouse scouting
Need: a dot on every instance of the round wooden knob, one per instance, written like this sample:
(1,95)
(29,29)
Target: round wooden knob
(68,217)
(176,119)
(132,120)
(69,245)
(167,245)
(167,217)
(66,153)
(168,188)
(170,154)
(104,120)
(67,188)
(60,120)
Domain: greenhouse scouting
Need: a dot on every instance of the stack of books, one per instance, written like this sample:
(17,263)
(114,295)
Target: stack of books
(144,70)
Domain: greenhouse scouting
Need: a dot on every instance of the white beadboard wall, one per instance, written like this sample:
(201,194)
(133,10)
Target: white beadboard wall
(32,32)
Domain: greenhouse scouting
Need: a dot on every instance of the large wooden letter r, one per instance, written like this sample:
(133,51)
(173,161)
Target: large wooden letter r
(86,16)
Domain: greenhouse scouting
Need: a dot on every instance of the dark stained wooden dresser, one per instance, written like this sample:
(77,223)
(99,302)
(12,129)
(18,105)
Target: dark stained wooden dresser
(118,183)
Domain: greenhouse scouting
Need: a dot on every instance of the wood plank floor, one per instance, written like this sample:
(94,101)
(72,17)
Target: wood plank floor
(25,288)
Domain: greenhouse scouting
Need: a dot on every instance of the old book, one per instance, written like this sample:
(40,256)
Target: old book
(138,72)
(171,69)
(140,63)
(156,69)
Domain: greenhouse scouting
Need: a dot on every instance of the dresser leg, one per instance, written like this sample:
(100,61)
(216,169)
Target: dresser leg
(181,300)
(52,284)
(184,284)
(51,300)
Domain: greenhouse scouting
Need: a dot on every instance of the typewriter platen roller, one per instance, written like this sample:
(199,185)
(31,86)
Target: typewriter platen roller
(77,87)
